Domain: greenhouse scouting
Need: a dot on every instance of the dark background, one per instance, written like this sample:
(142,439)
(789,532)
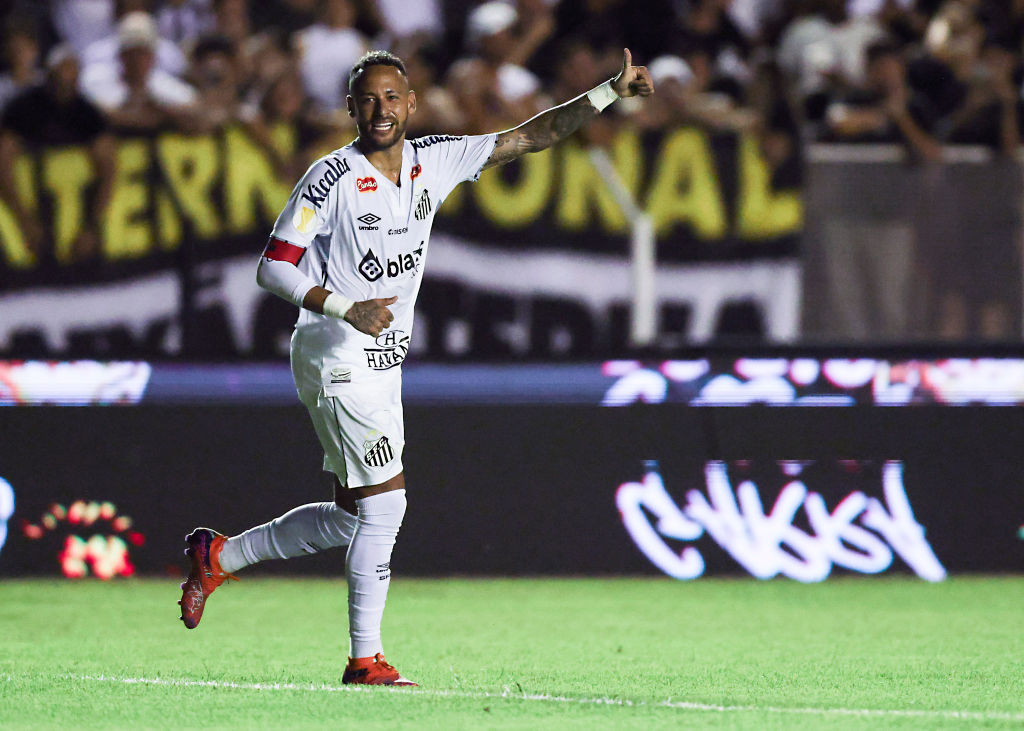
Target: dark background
(501,490)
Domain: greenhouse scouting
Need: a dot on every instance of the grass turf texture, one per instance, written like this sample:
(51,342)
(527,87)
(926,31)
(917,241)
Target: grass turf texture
(490,653)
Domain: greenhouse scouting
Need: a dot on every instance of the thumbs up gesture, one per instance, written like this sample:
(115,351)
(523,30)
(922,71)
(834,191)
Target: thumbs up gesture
(632,80)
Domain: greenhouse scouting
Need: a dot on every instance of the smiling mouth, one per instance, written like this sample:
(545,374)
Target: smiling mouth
(382,126)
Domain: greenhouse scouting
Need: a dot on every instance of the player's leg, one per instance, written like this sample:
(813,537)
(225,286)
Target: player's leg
(303,531)
(368,572)
(370,424)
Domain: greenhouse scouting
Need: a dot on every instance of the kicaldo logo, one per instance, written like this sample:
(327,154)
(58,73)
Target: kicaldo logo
(860,533)
(366,185)
(104,549)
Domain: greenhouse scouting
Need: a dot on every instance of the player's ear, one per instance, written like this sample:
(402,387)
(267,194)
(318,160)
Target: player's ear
(350,104)
(412,101)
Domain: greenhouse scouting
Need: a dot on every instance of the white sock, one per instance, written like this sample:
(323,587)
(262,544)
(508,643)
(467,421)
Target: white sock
(368,568)
(303,531)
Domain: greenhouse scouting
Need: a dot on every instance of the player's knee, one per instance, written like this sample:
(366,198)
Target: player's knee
(382,512)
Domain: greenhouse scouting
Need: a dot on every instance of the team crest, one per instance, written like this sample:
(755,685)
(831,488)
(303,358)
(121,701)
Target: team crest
(377,450)
(423,205)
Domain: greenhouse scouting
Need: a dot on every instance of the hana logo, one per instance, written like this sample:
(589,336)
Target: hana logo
(6,508)
(366,185)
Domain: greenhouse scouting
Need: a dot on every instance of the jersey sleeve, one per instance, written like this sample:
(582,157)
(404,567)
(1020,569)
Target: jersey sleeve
(307,212)
(456,158)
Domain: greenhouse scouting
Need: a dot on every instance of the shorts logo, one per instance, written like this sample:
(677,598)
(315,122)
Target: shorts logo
(392,347)
(340,374)
(366,185)
(415,172)
(378,452)
(423,205)
(370,267)
(368,219)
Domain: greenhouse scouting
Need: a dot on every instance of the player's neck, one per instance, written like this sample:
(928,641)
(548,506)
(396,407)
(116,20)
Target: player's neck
(388,160)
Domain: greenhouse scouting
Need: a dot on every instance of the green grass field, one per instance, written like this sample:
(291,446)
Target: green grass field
(519,653)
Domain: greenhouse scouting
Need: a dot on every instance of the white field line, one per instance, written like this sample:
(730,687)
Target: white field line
(509,694)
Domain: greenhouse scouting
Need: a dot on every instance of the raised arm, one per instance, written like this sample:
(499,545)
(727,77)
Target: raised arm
(557,123)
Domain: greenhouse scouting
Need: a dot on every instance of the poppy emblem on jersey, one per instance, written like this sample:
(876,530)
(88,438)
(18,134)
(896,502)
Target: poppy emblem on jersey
(377,452)
(366,185)
(415,172)
(423,205)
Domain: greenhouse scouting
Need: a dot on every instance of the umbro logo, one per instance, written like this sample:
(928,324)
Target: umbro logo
(368,219)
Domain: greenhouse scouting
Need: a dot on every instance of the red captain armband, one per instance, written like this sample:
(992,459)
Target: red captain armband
(283,251)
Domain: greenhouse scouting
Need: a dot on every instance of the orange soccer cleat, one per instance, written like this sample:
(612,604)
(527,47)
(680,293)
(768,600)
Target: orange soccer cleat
(372,671)
(204,546)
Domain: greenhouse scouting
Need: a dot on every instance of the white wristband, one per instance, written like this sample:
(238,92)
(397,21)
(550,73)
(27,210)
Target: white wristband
(603,95)
(337,306)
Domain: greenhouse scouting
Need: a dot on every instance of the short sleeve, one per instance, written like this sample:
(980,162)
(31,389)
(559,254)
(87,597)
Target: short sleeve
(305,215)
(455,159)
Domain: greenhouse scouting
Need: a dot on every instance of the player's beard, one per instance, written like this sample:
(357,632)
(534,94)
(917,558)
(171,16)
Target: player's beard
(372,141)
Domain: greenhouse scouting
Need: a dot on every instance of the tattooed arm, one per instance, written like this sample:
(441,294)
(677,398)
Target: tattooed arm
(557,123)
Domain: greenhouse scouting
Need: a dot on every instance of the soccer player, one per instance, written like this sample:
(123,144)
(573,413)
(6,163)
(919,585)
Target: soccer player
(349,250)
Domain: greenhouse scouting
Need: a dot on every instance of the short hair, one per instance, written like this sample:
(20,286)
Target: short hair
(375,58)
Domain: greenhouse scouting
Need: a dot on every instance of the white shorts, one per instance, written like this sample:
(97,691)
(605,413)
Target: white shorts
(358,420)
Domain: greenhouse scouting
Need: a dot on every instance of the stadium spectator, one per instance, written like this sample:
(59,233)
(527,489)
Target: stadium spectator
(884,109)
(56,113)
(710,28)
(21,53)
(490,90)
(138,96)
(327,51)
(184,21)
(232,19)
(215,75)
(409,26)
(82,22)
(436,108)
(648,27)
(990,113)
(103,56)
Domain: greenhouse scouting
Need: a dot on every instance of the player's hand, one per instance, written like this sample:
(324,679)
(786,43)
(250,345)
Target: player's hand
(632,80)
(372,316)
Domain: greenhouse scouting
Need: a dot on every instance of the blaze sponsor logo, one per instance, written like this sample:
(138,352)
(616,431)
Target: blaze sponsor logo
(415,172)
(401,265)
(368,219)
(366,185)
(303,218)
(391,349)
(377,450)
(370,267)
(316,193)
(432,140)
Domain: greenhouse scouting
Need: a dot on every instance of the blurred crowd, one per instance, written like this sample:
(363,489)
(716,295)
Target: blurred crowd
(918,72)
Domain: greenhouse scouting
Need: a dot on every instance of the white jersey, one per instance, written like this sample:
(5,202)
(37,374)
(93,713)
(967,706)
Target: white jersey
(367,238)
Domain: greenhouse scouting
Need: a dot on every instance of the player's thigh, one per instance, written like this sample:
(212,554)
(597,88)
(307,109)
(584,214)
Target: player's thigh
(363,433)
